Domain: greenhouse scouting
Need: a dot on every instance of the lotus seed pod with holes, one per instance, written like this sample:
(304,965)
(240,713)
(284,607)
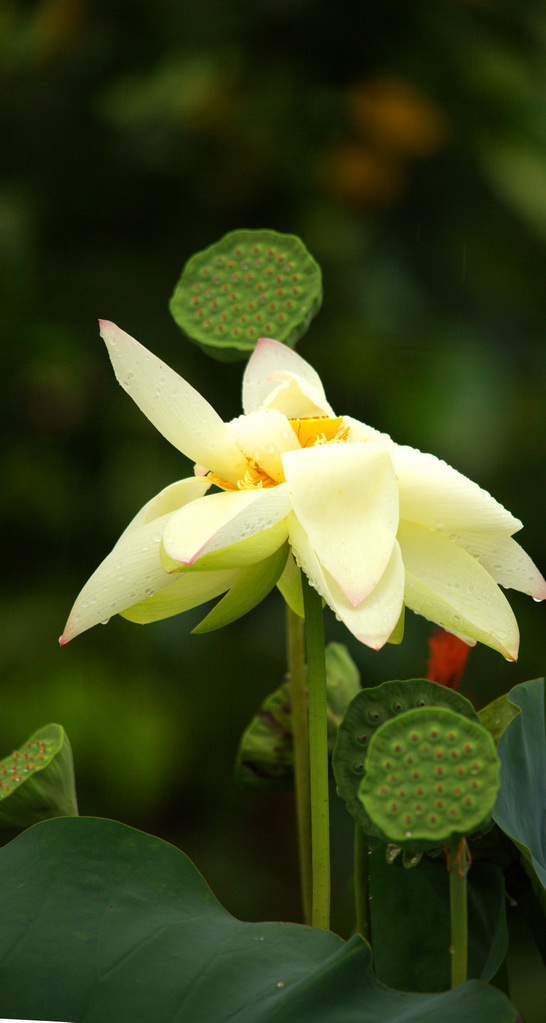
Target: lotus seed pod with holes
(432,776)
(250,284)
(369,709)
(37,780)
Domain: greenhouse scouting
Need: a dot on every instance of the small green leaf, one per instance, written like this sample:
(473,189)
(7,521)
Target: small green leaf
(249,589)
(431,776)
(397,633)
(37,780)
(250,284)
(366,712)
(101,922)
(290,586)
(496,716)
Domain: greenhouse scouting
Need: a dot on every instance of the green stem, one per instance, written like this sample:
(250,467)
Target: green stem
(458,909)
(300,732)
(318,756)
(362,885)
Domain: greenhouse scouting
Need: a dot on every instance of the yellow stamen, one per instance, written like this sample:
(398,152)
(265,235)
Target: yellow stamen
(310,431)
(255,478)
(219,481)
(314,430)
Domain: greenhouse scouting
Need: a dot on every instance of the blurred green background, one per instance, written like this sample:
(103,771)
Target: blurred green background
(406,144)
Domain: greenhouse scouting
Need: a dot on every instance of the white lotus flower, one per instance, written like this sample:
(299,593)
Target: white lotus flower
(373,524)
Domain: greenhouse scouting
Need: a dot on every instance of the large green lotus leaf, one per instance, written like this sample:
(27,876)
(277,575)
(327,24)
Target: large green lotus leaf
(520,809)
(101,923)
(410,922)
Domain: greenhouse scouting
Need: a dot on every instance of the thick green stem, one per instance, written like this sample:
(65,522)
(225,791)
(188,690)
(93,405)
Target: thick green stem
(318,756)
(362,885)
(300,732)
(458,909)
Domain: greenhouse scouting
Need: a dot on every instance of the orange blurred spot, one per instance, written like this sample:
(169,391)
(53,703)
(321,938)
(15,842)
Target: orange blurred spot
(361,174)
(396,116)
(57,26)
(447,658)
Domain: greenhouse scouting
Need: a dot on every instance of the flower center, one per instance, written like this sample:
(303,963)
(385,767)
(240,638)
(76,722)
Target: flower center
(314,430)
(255,478)
(310,431)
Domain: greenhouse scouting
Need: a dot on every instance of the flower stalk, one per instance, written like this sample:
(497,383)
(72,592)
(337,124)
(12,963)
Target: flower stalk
(458,863)
(318,756)
(300,733)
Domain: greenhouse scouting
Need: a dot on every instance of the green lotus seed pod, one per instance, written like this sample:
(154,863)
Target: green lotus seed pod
(432,776)
(266,752)
(369,709)
(250,284)
(265,757)
(342,683)
(37,780)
